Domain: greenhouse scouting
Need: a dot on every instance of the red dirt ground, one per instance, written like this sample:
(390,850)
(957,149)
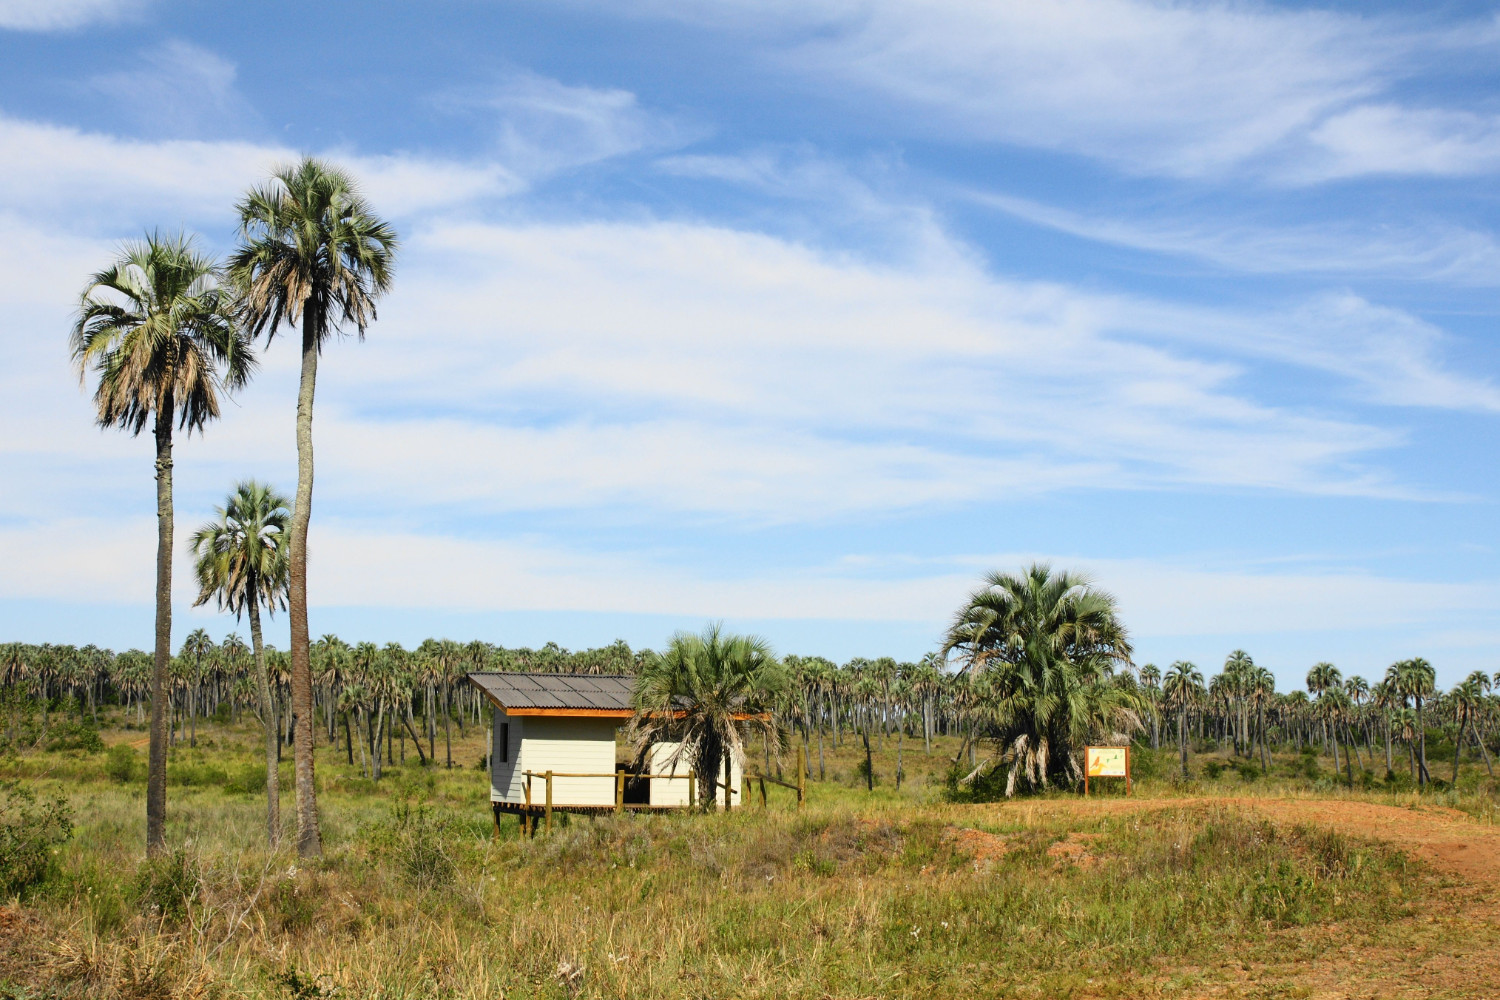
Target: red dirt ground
(1451,949)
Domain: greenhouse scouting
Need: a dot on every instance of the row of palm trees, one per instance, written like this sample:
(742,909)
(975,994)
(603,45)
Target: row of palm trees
(167,332)
(1241,705)
(1043,670)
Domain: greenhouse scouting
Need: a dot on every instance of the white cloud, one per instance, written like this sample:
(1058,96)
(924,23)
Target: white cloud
(101,183)
(178,88)
(1390,139)
(60,15)
(542,126)
(1176,604)
(1178,89)
(1429,252)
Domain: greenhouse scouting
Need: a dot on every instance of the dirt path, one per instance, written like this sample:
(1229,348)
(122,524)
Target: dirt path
(1451,949)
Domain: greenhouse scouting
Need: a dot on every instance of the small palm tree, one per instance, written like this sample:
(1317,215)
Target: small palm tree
(158,329)
(242,563)
(1045,643)
(708,693)
(312,251)
(1182,686)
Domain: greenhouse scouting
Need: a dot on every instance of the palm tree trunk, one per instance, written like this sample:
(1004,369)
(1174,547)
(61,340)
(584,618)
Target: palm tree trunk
(821,770)
(1423,774)
(1479,741)
(268,719)
(1458,744)
(869,763)
(1389,764)
(447,721)
(156,769)
(309,838)
(1182,739)
(1265,764)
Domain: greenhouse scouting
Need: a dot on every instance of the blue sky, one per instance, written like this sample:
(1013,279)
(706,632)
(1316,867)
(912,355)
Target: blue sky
(802,316)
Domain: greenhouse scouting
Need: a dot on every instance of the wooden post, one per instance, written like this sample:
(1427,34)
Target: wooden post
(728,786)
(763,791)
(527,821)
(1085,772)
(549,801)
(619,791)
(1127,772)
(692,789)
(801,779)
(495,808)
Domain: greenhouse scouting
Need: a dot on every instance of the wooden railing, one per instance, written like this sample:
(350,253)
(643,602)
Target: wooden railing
(529,817)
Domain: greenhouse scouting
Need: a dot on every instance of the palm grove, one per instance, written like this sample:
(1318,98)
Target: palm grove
(1034,667)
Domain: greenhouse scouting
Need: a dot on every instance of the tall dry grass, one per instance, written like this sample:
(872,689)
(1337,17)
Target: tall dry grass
(884,894)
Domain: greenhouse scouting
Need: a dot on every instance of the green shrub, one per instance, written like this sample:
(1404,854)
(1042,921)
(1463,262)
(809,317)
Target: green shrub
(121,764)
(1213,769)
(166,885)
(247,779)
(64,734)
(420,847)
(29,830)
(200,775)
(1146,764)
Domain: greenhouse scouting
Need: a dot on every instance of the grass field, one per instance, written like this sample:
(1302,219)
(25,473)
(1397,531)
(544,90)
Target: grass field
(1281,886)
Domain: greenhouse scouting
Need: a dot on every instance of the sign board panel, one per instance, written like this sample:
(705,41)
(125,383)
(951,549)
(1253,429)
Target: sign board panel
(1107,762)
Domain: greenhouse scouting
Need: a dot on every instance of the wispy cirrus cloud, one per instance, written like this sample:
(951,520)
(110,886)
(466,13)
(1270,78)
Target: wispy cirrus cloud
(178,89)
(63,15)
(1184,90)
(1434,250)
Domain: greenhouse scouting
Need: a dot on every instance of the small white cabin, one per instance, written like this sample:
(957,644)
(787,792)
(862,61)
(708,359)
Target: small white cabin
(566,724)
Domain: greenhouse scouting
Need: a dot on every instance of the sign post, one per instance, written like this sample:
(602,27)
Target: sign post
(1106,762)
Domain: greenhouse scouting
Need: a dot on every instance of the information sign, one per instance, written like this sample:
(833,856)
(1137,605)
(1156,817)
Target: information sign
(1106,762)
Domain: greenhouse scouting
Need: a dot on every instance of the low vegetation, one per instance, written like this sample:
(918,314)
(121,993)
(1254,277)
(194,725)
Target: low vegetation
(862,893)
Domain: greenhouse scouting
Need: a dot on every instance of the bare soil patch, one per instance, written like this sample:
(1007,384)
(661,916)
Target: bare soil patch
(1449,949)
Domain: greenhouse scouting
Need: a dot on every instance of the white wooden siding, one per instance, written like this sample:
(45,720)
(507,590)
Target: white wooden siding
(674,791)
(505,776)
(542,743)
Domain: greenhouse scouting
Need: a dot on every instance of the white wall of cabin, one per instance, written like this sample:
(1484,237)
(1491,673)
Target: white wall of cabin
(674,791)
(543,743)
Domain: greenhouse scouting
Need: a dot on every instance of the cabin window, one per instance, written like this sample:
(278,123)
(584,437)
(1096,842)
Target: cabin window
(502,743)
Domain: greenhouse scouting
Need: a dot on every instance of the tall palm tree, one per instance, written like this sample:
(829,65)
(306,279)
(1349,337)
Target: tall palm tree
(1320,678)
(1417,679)
(707,693)
(196,646)
(1470,698)
(311,251)
(242,563)
(1045,642)
(158,330)
(1182,685)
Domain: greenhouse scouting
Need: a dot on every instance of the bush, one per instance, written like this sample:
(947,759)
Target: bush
(1213,769)
(247,779)
(67,735)
(196,775)
(420,847)
(165,886)
(29,830)
(121,764)
(1146,764)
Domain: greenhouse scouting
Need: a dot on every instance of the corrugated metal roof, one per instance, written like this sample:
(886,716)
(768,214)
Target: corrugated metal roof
(546,690)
